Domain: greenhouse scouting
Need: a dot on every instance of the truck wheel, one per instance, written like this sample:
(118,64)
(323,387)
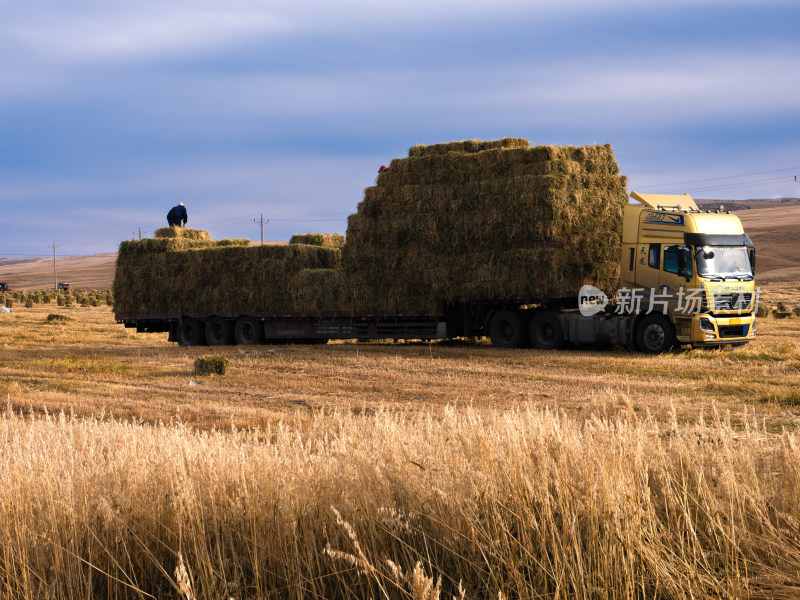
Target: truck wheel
(218,332)
(247,331)
(545,331)
(505,329)
(654,335)
(191,332)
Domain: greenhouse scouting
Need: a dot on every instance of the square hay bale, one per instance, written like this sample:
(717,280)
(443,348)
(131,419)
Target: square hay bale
(333,240)
(182,232)
(211,365)
(467,146)
(321,291)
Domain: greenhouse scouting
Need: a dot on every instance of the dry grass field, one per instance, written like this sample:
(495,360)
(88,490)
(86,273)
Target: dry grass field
(89,365)
(387,470)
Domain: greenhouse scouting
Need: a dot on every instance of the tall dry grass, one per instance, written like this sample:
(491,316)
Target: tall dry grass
(523,504)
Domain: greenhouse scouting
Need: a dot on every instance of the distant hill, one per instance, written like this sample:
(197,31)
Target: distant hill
(90,272)
(775,231)
(737,205)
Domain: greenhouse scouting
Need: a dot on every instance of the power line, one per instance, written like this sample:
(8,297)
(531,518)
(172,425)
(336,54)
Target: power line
(720,178)
(743,184)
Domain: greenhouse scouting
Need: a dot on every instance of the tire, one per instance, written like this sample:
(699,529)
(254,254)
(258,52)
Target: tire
(247,331)
(545,331)
(218,332)
(191,332)
(506,330)
(654,334)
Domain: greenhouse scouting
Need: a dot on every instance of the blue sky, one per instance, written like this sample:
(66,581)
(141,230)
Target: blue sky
(112,112)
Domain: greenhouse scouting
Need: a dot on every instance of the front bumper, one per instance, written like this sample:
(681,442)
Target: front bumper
(710,330)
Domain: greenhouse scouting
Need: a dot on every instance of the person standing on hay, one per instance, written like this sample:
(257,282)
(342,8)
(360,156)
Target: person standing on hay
(177,216)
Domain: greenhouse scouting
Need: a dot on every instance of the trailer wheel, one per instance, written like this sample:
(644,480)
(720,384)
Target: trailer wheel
(218,332)
(505,329)
(654,334)
(191,332)
(545,331)
(247,331)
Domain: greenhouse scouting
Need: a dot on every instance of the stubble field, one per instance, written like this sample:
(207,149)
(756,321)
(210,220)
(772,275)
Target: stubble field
(394,470)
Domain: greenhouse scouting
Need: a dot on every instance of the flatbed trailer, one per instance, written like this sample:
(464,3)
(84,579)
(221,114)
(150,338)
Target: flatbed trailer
(547,327)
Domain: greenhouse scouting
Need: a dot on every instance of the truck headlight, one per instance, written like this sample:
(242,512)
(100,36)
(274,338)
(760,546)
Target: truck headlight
(706,324)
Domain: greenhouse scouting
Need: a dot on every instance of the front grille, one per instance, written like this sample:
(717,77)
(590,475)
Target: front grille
(735,301)
(729,331)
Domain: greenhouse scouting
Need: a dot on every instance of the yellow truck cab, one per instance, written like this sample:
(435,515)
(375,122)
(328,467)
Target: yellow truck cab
(687,269)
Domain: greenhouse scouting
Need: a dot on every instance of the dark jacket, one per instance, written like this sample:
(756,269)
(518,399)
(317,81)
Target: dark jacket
(177,216)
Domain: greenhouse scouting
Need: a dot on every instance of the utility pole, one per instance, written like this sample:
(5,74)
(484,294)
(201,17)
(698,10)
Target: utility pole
(261,221)
(55,273)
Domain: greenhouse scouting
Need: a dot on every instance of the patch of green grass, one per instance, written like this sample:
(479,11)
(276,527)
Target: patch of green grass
(775,353)
(63,386)
(70,363)
(788,397)
(742,391)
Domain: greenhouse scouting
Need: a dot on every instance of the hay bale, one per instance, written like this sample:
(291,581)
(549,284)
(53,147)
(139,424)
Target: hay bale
(467,146)
(56,318)
(333,240)
(182,232)
(321,291)
(211,365)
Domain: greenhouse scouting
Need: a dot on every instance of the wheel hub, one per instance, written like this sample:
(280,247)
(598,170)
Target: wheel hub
(654,335)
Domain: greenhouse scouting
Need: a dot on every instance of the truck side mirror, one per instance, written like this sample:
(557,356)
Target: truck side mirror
(751,253)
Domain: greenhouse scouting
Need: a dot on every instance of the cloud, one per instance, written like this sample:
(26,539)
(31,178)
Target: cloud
(651,89)
(102,32)
(97,31)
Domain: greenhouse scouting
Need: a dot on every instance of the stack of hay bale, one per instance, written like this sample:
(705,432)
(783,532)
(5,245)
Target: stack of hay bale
(486,222)
(320,290)
(191,274)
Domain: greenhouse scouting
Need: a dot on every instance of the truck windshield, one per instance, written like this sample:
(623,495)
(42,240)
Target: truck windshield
(723,262)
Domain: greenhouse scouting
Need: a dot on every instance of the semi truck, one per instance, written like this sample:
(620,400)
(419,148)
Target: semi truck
(685,277)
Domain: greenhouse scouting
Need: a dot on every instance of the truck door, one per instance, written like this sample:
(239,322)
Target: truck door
(648,266)
(672,279)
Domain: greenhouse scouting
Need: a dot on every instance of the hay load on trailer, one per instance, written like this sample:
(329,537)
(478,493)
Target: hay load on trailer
(191,274)
(486,222)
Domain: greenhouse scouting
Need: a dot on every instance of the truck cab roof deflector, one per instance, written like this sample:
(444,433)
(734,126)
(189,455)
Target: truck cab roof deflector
(658,201)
